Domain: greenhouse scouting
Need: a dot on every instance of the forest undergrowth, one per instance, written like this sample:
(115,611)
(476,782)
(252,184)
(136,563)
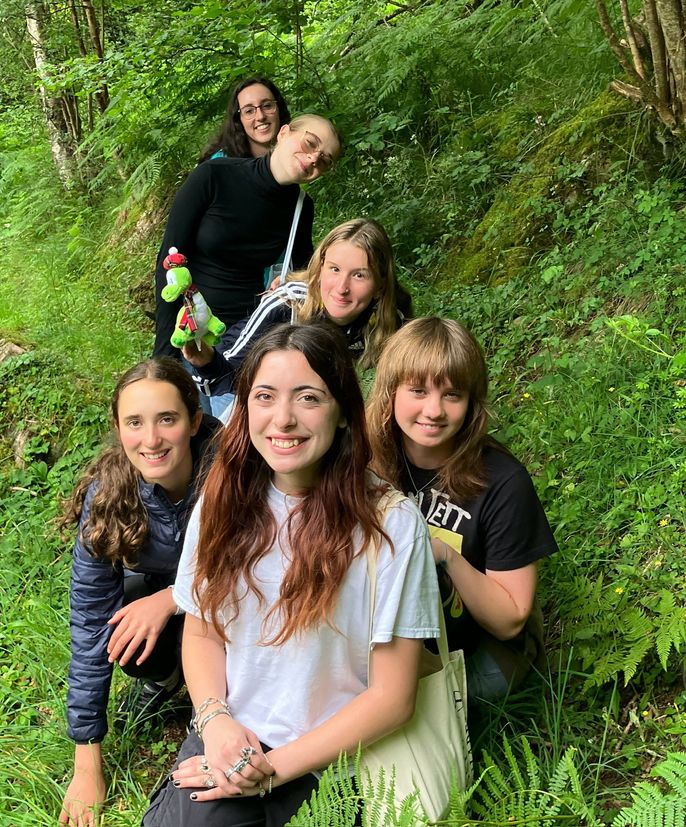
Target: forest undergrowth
(523,200)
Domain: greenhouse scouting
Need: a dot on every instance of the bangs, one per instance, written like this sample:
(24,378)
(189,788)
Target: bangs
(440,361)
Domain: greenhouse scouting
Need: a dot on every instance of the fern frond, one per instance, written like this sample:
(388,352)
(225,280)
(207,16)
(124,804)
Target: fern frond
(651,806)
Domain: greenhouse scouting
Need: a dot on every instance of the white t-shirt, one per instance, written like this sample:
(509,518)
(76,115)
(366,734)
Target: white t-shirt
(282,692)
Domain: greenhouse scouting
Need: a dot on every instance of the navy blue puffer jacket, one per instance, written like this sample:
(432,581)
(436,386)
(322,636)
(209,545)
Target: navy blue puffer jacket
(97,589)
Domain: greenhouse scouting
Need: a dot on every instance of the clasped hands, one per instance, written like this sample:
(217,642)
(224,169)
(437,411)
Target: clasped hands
(233,764)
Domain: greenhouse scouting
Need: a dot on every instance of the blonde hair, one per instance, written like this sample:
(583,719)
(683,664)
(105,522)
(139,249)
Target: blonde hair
(440,350)
(370,237)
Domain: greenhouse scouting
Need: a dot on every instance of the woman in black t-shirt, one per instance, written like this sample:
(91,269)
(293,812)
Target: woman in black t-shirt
(428,425)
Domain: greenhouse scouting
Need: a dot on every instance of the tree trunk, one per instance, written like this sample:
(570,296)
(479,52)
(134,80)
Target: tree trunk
(662,23)
(77,28)
(102,96)
(60,145)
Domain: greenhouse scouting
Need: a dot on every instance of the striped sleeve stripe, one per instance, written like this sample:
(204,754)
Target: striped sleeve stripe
(282,297)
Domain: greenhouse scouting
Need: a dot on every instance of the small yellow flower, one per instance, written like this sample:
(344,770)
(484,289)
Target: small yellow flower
(645,713)
(657,564)
(610,389)
(664,522)
(526,396)
(619,590)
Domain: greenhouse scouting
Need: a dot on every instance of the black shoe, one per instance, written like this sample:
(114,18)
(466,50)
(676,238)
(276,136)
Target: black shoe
(145,698)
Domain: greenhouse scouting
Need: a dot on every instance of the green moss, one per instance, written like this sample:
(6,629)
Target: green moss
(567,164)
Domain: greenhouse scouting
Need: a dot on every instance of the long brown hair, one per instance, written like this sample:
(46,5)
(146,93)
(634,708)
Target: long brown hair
(370,237)
(334,522)
(117,523)
(441,350)
(231,138)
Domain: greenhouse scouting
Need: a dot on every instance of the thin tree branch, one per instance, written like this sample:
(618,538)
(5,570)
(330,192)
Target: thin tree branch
(627,90)
(631,38)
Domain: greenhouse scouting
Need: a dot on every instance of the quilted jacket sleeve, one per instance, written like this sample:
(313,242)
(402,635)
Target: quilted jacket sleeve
(96,593)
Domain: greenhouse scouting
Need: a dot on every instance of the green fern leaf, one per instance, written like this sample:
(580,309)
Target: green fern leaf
(653,808)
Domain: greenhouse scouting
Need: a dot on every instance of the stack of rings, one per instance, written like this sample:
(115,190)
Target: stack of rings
(242,763)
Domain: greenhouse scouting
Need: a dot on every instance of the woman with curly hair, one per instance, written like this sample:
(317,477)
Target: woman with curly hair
(273,579)
(256,112)
(131,506)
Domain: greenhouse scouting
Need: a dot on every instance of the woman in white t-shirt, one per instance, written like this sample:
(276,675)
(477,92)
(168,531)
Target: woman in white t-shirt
(273,578)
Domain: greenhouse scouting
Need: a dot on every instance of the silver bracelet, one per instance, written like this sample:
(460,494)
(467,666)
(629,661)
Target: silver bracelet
(177,609)
(200,728)
(195,720)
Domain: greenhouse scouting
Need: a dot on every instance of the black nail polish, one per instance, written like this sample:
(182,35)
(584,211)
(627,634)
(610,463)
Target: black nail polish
(176,784)
(194,796)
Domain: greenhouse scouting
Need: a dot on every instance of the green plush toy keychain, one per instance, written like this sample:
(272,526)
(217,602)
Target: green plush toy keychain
(195,321)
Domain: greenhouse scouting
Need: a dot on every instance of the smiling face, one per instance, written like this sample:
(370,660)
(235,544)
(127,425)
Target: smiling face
(429,416)
(155,431)
(261,127)
(292,419)
(305,151)
(347,284)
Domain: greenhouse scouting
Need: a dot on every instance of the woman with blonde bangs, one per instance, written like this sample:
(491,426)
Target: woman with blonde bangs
(350,281)
(274,582)
(428,425)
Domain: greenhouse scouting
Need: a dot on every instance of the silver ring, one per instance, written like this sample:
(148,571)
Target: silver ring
(248,752)
(209,781)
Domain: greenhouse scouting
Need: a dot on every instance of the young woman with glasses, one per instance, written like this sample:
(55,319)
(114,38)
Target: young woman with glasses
(256,112)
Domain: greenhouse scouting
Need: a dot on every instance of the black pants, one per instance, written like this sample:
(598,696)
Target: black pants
(166,655)
(172,807)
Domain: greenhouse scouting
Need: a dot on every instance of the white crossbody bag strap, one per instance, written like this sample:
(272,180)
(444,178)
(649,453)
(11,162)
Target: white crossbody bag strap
(287,259)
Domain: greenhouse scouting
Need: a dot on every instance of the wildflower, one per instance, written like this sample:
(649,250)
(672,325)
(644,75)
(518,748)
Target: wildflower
(664,522)
(610,389)
(619,590)
(526,396)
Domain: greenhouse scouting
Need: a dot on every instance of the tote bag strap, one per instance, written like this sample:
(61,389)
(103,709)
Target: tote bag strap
(371,552)
(287,263)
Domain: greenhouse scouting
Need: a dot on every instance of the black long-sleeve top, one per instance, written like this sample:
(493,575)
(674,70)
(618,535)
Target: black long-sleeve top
(231,219)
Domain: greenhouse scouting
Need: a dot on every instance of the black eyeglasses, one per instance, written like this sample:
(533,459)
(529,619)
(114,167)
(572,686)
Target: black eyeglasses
(267,107)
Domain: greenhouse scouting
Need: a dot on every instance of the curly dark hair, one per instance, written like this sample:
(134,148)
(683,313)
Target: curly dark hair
(231,138)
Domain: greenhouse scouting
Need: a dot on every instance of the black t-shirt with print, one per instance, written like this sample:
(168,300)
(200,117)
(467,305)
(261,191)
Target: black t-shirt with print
(502,529)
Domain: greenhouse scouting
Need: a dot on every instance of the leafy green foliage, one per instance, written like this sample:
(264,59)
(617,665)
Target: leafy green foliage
(651,806)
(480,135)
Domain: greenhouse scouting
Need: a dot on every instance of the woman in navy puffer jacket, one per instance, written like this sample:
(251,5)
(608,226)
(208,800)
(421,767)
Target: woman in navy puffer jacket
(132,506)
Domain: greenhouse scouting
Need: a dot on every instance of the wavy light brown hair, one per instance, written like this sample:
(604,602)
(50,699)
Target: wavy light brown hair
(335,521)
(117,523)
(370,237)
(441,350)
